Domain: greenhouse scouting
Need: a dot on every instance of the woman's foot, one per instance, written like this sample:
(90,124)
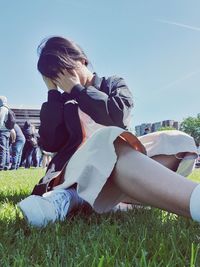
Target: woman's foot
(52,206)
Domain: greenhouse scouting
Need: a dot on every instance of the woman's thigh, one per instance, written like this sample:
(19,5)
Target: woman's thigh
(148,181)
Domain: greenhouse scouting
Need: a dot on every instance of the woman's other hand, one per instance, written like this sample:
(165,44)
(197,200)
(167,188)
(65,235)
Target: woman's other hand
(67,80)
(49,83)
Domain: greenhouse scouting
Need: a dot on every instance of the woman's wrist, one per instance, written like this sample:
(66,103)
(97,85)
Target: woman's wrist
(52,88)
(54,96)
(69,89)
(76,90)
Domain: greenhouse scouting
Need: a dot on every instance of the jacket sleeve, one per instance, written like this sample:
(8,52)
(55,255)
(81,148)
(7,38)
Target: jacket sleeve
(75,135)
(52,131)
(111,108)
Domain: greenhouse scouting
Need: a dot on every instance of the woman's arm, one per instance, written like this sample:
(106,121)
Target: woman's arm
(75,135)
(111,105)
(52,131)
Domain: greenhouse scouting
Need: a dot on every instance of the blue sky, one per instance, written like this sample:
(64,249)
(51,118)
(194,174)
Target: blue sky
(153,44)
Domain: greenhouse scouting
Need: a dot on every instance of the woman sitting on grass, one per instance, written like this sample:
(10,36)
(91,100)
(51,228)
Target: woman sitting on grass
(97,165)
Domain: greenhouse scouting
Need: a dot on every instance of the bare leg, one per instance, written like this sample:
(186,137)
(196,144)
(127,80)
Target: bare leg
(149,182)
(169,161)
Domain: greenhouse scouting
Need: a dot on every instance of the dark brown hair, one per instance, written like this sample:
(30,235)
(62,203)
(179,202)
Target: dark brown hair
(56,54)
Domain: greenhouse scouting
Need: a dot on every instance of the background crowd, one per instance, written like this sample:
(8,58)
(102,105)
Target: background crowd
(19,147)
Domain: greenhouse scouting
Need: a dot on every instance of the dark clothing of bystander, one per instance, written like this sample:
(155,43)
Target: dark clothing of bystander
(30,152)
(17,147)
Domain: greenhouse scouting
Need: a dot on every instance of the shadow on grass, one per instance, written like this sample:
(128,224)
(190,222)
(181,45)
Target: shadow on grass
(13,198)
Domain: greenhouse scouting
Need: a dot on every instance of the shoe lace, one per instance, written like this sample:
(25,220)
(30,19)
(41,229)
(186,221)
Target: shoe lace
(65,201)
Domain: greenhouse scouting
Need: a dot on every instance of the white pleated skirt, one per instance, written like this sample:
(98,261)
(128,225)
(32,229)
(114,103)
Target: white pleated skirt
(92,164)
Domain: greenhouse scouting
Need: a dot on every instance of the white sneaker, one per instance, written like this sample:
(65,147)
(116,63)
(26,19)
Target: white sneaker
(52,206)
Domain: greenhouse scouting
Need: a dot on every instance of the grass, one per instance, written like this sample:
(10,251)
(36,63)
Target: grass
(144,237)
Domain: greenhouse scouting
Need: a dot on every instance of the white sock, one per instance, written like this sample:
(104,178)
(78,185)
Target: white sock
(195,204)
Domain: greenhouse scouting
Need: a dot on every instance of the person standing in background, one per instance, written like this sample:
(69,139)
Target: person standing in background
(4,135)
(31,145)
(17,146)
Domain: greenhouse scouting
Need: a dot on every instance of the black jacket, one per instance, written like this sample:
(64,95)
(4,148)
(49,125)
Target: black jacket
(107,102)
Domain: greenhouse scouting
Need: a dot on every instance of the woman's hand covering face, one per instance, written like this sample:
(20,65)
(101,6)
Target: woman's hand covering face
(67,80)
(49,83)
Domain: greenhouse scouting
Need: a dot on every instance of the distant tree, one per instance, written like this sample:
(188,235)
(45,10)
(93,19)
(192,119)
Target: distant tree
(191,126)
(166,128)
